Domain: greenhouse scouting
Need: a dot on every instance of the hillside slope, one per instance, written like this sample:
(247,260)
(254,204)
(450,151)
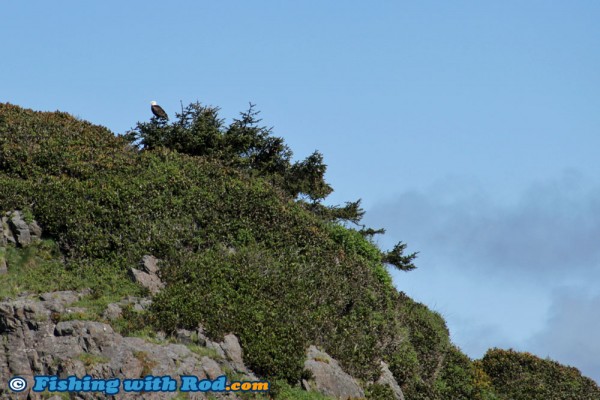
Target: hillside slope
(239,252)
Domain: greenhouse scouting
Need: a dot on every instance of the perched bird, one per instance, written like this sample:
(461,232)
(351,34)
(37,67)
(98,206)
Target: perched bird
(158,111)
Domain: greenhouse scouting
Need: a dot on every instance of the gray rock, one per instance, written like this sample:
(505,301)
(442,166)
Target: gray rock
(149,275)
(211,368)
(209,344)
(20,229)
(113,311)
(138,303)
(329,378)
(387,378)
(32,343)
(35,231)
(233,351)
(232,348)
(57,301)
(149,281)
(14,230)
(3,235)
(82,328)
(7,235)
(150,264)
(184,336)
(3,264)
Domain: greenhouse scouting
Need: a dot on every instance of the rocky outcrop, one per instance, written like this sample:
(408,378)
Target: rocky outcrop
(148,275)
(328,377)
(3,229)
(387,378)
(115,310)
(38,338)
(16,230)
(3,265)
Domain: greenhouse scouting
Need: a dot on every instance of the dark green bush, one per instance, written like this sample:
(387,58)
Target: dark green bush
(459,379)
(521,376)
(379,392)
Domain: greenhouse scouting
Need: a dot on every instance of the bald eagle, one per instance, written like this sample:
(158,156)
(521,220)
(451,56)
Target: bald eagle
(158,111)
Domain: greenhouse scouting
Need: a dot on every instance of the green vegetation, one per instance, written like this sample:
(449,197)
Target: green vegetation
(90,360)
(145,361)
(39,268)
(523,376)
(283,391)
(49,395)
(245,242)
(204,351)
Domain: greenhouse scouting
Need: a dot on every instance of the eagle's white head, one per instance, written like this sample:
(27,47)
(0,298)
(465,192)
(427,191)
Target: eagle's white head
(152,103)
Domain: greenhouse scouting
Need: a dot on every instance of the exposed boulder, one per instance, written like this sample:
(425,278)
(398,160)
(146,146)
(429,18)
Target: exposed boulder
(3,264)
(228,350)
(148,275)
(233,351)
(7,236)
(150,264)
(18,231)
(3,231)
(328,377)
(14,230)
(387,378)
(115,310)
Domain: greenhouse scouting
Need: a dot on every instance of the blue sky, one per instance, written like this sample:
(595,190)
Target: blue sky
(469,129)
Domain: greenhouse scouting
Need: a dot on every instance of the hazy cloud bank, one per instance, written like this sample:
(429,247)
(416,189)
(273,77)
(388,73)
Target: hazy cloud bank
(523,273)
(571,333)
(552,229)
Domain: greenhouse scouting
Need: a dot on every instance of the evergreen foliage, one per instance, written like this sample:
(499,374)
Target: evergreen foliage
(243,144)
(397,258)
(523,376)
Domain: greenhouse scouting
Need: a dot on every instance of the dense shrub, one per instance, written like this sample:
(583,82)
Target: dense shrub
(523,376)
(459,379)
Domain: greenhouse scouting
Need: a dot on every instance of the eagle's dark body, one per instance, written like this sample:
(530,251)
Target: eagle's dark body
(159,112)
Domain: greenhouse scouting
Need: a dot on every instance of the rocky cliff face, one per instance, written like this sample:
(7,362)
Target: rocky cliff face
(35,340)
(44,334)
(37,337)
